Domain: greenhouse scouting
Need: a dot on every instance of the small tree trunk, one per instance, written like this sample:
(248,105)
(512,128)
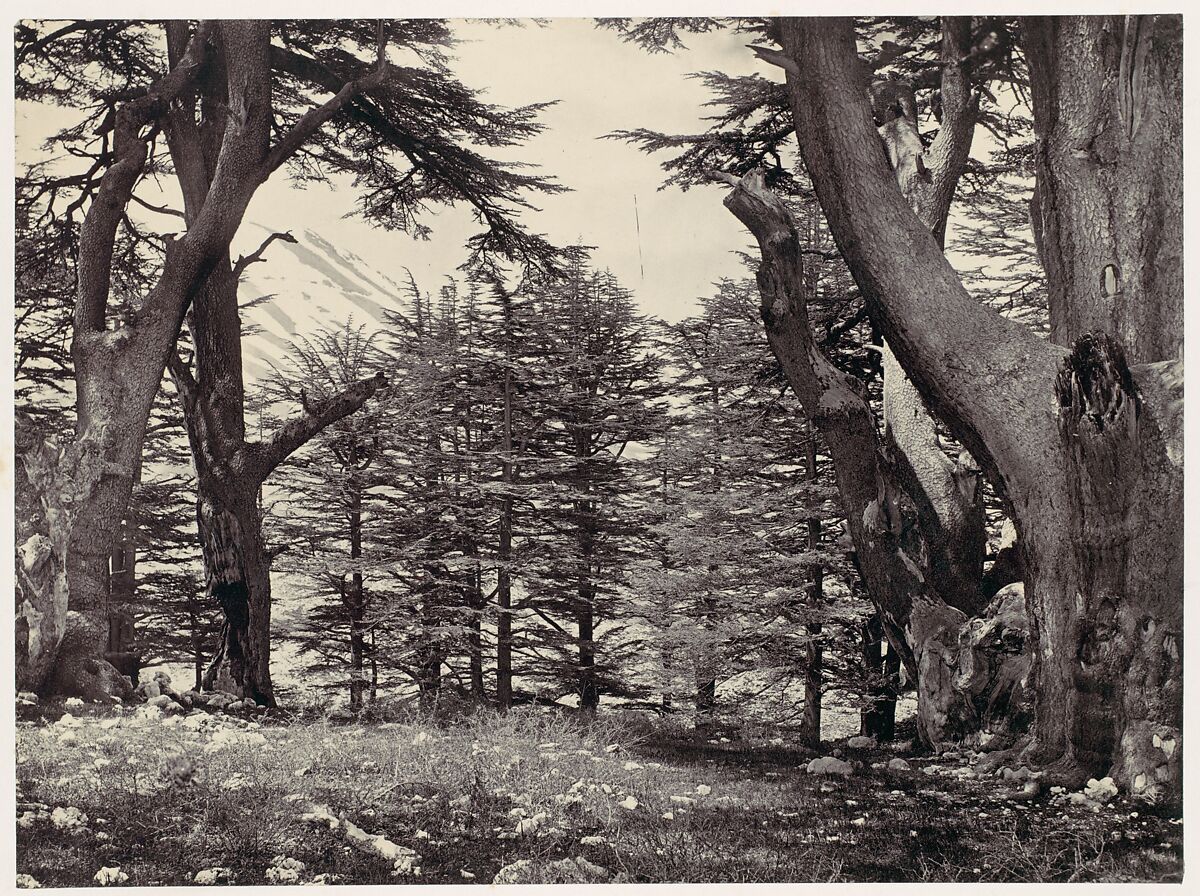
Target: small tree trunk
(357,678)
(878,717)
(374,669)
(814,685)
(810,728)
(504,670)
(589,689)
(356,598)
(475,636)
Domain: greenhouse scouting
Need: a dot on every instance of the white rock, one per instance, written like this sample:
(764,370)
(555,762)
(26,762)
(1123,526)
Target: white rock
(107,877)
(830,765)
(68,819)
(27,882)
(512,872)
(75,701)
(703,789)
(1101,790)
(630,803)
(899,765)
(210,876)
(861,742)
(592,840)
(527,826)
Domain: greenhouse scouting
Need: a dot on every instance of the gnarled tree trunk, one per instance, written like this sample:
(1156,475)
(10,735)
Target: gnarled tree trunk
(1085,443)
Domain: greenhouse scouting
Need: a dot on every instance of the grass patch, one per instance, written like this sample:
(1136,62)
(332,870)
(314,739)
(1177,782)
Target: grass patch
(610,800)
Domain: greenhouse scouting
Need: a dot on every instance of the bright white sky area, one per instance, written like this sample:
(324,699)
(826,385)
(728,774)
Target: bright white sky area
(687,240)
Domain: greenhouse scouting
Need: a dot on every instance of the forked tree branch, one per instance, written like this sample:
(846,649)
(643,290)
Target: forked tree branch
(312,120)
(246,260)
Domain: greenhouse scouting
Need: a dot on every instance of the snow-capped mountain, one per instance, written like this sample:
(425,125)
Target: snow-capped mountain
(302,287)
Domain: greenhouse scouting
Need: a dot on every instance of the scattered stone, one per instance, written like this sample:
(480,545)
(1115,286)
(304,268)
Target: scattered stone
(27,882)
(107,877)
(527,826)
(830,765)
(703,789)
(1101,791)
(682,800)
(161,701)
(899,765)
(861,742)
(148,690)
(563,871)
(27,698)
(68,819)
(210,876)
(74,702)
(403,859)
(630,803)
(513,873)
(285,870)
(465,874)
(593,840)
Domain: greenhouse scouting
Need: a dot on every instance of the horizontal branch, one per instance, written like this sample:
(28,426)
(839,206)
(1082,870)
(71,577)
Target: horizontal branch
(266,456)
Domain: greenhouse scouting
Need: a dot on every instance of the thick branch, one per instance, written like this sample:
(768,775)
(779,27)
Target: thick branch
(97,234)
(314,119)
(981,371)
(834,402)
(952,146)
(266,456)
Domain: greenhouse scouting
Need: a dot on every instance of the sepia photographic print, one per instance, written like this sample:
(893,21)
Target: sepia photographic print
(603,448)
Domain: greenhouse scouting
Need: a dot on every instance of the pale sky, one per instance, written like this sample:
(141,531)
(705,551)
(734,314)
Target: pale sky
(687,240)
(603,85)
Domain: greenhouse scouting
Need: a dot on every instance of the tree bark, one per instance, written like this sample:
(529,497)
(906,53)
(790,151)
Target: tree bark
(1085,445)
(947,497)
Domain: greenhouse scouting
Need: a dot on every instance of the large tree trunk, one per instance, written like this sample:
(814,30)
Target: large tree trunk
(118,371)
(946,495)
(231,470)
(1086,446)
(239,581)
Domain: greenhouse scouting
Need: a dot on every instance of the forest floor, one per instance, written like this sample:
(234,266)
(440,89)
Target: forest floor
(533,797)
